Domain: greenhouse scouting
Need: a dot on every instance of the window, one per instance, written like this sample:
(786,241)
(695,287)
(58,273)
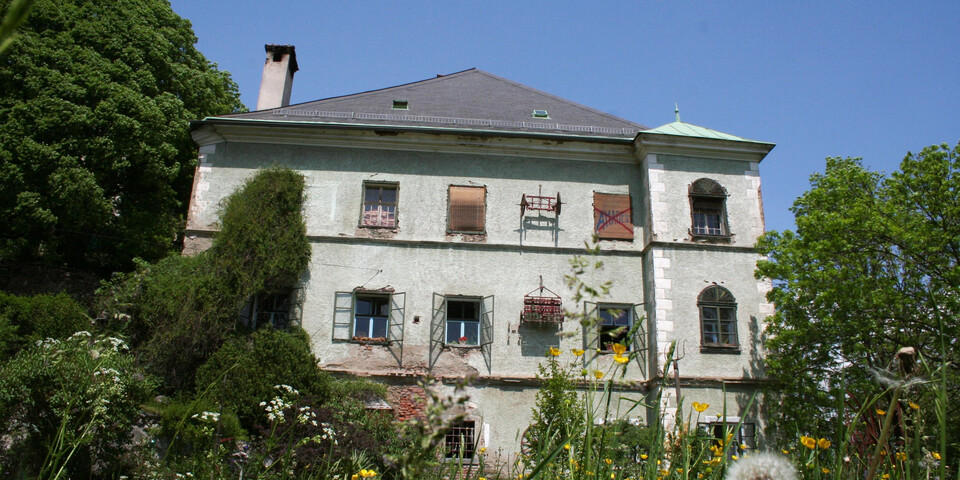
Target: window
(379,205)
(467,209)
(718,318)
(271,309)
(614,322)
(463,321)
(708,208)
(369,315)
(612,219)
(718,429)
(460,441)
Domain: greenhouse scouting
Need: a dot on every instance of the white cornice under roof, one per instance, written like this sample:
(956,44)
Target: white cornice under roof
(659,143)
(218,130)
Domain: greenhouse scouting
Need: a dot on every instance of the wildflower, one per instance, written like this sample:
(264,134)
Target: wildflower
(576,352)
(482,450)
(621,359)
(613,475)
(785,451)
(734,457)
(598,374)
(901,456)
(744,446)
(566,447)
(554,352)
(364,473)
(914,406)
(700,407)
(618,349)
(761,466)
(881,412)
(825,470)
(354,477)
(885,476)
(808,442)
(608,461)
(644,456)
(823,443)
(935,455)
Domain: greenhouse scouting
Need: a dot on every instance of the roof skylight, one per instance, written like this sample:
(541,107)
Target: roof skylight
(541,114)
(400,104)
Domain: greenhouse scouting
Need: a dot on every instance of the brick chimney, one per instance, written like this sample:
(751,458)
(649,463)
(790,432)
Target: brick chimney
(277,79)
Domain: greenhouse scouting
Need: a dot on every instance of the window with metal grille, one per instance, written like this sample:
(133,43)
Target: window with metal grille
(718,318)
(742,439)
(460,441)
(467,209)
(379,205)
(612,218)
(708,208)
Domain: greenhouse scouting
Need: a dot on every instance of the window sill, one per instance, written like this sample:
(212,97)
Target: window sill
(369,341)
(699,237)
(460,346)
(380,227)
(719,349)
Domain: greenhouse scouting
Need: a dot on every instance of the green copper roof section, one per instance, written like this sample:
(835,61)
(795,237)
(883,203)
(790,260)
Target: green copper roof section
(690,130)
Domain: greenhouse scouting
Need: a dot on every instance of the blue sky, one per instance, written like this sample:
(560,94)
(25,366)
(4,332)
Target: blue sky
(859,79)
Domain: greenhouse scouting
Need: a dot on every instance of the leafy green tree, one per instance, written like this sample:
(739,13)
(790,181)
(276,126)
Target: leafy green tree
(874,265)
(95,153)
(25,320)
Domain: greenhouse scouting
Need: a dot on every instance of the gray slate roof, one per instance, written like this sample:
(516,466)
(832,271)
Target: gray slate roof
(468,100)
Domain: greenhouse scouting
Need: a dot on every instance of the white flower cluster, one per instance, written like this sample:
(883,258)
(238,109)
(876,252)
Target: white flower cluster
(108,372)
(306,415)
(185,475)
(117,344)
(211,417)
(275,409)
(48,342)
(287,389)
(326,433)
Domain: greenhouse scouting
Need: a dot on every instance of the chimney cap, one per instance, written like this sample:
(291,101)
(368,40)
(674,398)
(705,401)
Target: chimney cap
(277,49)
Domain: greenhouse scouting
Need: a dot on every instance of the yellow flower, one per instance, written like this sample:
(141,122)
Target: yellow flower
(785,451)
(914,406)
(734,457)
(881,412)
(744,446)
(354,477)
(608,461)
(367,473)
(598,374)
(618,349)
(621,359)
(566,447)
(700,407)
(577,352)
(824,443)
(613,475)
(644,456)
(554,351)
(901,456)
(808,442)
(482,450)
(935,455)
(481,478)
(885,476)
(825,470)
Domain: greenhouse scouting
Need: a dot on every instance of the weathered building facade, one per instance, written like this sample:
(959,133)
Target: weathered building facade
(436,210)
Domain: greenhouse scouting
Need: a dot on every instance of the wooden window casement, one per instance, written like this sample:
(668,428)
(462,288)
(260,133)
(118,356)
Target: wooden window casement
(718,319)
(467,209)
(612,216)
(708,209)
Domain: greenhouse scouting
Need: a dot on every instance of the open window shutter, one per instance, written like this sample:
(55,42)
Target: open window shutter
(296,306)
(640,339)
(486,330)
(343,316)
(612,217)
(591,339)
(438,326)
(395,328)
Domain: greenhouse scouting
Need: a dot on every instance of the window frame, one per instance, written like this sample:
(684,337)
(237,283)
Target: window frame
(395,186)
(272,311)
(450,206)
(718,321)
(478,302)
(357,296)
(707,190)
(625,309)
(344,316)
(746,434)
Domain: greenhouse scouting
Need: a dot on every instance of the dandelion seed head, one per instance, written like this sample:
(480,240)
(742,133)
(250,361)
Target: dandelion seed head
(761,466)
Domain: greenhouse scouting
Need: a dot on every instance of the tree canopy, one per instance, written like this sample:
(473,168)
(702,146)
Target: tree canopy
(874,265)
(95,153)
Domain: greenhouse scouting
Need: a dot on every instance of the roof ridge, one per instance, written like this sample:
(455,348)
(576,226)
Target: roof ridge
(561,99)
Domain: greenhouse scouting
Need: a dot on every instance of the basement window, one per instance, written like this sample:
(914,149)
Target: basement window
(541,114)
(461,440)
(401,105)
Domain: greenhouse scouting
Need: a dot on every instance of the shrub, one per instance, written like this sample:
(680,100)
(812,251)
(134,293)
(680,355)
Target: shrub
(26,319)
(246,369)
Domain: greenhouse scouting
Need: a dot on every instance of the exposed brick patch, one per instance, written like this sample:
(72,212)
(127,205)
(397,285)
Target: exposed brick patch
(408,401)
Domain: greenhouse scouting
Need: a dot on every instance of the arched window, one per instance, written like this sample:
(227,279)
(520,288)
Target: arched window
(708,209)
(718,318)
